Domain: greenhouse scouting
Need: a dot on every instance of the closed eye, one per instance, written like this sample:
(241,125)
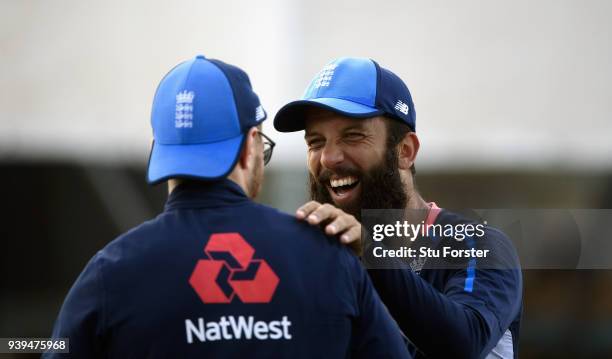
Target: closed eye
(354,136)
(314,143)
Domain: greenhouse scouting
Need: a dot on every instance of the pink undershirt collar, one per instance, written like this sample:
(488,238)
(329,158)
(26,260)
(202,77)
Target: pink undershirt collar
(433,213)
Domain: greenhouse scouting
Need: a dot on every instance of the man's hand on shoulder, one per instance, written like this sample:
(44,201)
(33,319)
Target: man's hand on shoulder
(334,221)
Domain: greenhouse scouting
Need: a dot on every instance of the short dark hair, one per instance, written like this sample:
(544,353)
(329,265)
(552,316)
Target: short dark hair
(396,131)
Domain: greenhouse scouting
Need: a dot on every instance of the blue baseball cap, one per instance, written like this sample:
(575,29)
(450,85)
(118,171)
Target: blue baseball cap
(354,87)
(202,110)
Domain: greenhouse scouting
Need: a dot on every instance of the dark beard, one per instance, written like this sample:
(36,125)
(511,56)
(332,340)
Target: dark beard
(381,187)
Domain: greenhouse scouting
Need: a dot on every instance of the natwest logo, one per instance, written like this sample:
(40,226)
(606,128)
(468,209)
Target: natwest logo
(240,327)
(231,270)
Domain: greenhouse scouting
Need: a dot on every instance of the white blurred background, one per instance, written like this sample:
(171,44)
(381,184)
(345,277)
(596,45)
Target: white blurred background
(502,84)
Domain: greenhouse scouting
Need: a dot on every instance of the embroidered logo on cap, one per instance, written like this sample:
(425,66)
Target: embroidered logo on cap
(402,107)
(325,76)
(260,114)
(183,117)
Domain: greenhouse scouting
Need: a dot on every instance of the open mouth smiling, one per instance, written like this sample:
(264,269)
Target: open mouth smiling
(343,189)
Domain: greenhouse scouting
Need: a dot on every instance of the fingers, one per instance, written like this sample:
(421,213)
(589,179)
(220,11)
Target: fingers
(341,223)
(353,234)
(325,212)
(307,209)
(315,212)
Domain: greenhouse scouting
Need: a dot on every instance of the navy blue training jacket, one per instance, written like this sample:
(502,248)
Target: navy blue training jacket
(468,310)
(217,275)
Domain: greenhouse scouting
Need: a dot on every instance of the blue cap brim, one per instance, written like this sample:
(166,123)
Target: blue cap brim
(291,117)
(207,161)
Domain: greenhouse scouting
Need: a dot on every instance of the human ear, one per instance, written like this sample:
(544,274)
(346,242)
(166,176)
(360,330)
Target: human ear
(249,148)
(407,150)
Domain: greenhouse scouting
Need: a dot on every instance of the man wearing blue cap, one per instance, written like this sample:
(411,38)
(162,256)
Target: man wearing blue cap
(217,275)
(360,122)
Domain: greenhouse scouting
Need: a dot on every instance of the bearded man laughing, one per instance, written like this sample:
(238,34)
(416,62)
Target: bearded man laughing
(359,122)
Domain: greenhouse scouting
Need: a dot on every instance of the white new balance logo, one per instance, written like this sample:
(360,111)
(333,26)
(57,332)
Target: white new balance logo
(325,76)
(259,113)
(183,116)
(402,107)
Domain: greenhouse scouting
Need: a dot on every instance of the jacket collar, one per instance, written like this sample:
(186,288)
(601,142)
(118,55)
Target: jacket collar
(198,194)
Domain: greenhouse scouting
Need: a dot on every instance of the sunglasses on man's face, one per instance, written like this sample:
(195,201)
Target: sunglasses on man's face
(268,147)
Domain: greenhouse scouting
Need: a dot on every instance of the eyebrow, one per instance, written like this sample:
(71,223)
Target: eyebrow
(311,134)
(358,126)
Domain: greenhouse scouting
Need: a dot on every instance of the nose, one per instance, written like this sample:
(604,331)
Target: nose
(331,156)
